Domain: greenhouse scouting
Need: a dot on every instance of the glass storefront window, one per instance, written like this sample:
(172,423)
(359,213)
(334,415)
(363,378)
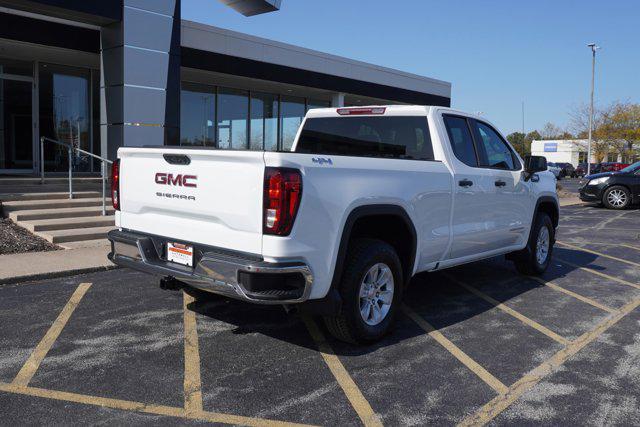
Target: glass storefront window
(197,114)
(15,67)
(233,112)
(293,111)
(317,103)
(65,114)
(264,121)
(236,119)
(16,125)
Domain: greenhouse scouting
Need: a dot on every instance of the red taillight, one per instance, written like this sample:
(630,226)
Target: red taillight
(282,194)
(361,111)
(115,184)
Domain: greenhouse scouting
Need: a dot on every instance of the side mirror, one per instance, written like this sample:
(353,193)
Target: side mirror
(533,164)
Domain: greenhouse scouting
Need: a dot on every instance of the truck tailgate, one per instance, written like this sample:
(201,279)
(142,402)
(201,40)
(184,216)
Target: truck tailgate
(215,199)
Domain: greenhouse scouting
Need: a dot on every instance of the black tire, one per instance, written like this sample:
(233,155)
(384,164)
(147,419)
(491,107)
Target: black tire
(620,190)
(348,325)
(526,261)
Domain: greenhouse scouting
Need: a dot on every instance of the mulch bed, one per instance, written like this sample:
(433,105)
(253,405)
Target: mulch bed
(15,239)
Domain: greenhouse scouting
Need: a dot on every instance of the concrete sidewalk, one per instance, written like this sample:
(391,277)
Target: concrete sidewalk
(37,265)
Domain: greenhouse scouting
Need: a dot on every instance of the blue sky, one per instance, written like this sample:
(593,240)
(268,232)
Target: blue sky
(496,53)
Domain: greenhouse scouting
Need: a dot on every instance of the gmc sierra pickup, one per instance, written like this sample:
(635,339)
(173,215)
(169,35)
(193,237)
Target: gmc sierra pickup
(366,198)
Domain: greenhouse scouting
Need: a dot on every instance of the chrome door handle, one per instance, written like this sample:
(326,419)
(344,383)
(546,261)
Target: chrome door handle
(500,183)
(465,183)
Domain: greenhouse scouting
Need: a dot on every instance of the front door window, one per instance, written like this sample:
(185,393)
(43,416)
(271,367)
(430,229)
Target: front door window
(494,150)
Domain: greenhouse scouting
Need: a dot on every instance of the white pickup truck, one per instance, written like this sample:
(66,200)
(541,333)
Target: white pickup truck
(366,198)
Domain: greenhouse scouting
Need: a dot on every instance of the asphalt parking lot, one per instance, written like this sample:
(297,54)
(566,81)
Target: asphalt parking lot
(475,345)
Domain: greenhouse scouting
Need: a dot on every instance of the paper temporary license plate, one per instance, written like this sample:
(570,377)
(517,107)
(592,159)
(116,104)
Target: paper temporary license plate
(179,253)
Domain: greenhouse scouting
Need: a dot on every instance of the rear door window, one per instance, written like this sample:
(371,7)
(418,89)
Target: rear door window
(461,139)
(400,137)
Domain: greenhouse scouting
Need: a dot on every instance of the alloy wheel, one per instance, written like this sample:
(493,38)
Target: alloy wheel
(617,198)
(542,245)
(376,294)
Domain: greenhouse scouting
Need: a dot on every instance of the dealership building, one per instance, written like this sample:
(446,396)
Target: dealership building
(572,151)
(575,151)
(105,74)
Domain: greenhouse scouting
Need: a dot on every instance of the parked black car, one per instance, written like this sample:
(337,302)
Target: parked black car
(568,170)
(615,190)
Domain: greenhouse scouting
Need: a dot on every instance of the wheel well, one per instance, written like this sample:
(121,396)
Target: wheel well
(550,209)
(392,229)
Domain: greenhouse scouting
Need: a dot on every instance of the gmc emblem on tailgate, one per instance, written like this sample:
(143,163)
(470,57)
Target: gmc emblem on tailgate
(176,180)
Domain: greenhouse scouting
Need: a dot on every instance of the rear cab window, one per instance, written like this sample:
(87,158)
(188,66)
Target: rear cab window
(398,137)
(461,139)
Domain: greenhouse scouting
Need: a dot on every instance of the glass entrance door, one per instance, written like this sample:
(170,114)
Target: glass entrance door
(16,126)
(65,115)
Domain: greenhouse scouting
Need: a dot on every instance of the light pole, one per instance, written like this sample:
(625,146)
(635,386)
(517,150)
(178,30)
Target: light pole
(523,134)
(593,47)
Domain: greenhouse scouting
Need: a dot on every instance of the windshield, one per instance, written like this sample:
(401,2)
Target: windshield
(631,167)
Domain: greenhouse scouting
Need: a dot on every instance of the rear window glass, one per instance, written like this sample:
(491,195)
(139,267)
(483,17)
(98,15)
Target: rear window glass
(401,137)
(461,139)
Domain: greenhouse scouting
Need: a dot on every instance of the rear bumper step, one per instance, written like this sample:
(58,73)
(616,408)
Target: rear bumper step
(233,276)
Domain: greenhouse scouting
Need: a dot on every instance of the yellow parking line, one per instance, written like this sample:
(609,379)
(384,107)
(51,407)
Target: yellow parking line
(574,295)
(32,364)
(598,273)
(126,405)
(192,381)
(474,366)
(578,248)
(524,319)
(629,246)
(501,402)
(349,387)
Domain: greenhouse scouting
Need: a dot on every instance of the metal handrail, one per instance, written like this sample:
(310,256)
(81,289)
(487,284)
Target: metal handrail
(70,149)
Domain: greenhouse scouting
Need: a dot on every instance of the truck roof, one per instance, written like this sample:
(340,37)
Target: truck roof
(390,110)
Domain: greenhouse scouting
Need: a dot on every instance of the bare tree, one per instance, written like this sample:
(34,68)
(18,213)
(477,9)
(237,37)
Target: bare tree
(579,120)
(551,131)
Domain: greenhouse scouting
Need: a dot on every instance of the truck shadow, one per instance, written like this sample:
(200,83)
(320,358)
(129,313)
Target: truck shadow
(442,299)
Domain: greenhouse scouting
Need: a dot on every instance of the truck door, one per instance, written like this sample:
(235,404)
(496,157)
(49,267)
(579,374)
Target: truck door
(511,197)
(475,209)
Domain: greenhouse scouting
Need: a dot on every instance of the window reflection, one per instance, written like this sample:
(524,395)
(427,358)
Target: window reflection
(317,103)
(264,121)
(16,126)
(236,119)
(65,114)
(233,111)
(15,67)
(293,110)
(197,114)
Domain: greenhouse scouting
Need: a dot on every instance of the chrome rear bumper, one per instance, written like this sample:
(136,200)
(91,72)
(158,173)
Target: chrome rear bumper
(227,274)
